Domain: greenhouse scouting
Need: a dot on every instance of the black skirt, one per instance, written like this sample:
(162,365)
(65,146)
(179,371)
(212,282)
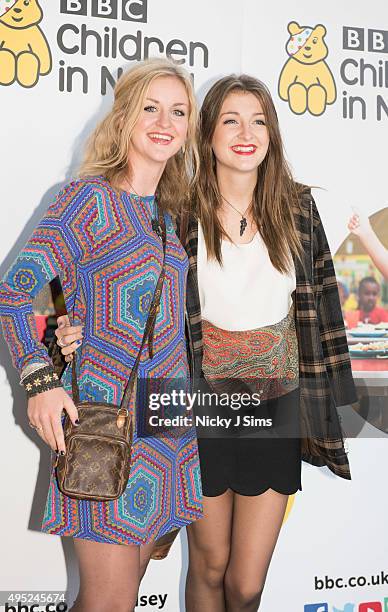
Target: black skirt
(248,461)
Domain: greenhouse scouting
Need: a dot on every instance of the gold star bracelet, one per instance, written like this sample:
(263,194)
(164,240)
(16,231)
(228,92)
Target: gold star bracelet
(43,379)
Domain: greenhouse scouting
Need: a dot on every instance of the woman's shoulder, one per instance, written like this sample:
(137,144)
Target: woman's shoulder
(304,194)
(90,183)
(81,191)
(77,194)
(305,204)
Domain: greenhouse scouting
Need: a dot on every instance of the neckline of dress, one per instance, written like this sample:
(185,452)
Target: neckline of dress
(241,244)
(223,241)
(148,198)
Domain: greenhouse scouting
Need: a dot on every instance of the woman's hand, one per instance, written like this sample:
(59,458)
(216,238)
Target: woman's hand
(44,413)
(359,224)
(69,337)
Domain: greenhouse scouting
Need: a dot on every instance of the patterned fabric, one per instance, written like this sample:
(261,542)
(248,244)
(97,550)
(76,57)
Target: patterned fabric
(6,5)
(297,41)
(265,358)
(108,259)
(324,365)
(40,380)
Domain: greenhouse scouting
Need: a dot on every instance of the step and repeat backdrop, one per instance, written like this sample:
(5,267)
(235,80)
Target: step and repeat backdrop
(327,68)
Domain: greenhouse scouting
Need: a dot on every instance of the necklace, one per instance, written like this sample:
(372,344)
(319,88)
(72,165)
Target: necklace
(243,221)
(154,221)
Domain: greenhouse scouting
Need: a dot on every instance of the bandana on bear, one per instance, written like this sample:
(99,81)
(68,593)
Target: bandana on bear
(5,5)
(297,41)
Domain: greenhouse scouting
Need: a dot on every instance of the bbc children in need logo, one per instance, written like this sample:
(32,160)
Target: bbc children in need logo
(356,87)
(94,41)
(24,51)
(306,81)
(95,34)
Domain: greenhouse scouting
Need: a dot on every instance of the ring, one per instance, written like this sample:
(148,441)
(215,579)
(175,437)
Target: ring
(38,428)
(60,343)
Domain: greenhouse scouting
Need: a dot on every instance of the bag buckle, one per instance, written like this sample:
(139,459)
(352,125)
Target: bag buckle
(122,414)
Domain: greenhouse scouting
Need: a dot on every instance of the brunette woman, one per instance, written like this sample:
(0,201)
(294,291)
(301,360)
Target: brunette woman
(270,309)
(263,310)
(101,236)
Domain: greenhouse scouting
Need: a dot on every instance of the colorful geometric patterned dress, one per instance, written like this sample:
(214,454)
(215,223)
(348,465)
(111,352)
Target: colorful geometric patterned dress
(108,259)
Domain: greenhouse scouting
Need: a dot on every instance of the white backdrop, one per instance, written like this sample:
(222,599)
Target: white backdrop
(335,528)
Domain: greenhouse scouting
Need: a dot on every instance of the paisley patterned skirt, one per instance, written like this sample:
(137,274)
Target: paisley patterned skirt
(259,449)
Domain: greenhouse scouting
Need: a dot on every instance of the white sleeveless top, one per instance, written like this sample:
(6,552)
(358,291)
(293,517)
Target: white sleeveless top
(246,292)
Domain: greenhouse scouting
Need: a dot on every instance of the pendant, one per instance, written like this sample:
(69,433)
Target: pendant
(243,224)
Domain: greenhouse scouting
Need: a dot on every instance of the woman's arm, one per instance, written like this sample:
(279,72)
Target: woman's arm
(52,250)
(331,323)
(361,227)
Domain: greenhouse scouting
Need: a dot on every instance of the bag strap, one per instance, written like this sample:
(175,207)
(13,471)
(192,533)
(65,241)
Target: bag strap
(160,228)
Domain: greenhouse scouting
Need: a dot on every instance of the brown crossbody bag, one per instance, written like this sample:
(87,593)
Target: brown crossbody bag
(96,465)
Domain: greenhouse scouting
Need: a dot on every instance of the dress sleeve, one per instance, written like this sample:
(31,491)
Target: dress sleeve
(52,250)
(331,323)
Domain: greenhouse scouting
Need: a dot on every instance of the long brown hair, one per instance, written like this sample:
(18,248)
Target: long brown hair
(275,190)
(107,149)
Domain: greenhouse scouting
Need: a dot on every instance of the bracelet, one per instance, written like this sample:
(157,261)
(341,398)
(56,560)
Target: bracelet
(30,369)
(41,380)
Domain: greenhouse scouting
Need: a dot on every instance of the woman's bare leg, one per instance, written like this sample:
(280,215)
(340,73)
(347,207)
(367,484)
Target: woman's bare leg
(109,576)
(209,547)
(256,525)
(145,556)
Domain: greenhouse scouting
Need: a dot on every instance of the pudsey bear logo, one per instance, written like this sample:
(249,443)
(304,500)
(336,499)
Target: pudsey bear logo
(306,81)
(24,51)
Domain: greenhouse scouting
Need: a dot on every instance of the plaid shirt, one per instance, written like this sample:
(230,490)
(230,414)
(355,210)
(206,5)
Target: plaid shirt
(325,374)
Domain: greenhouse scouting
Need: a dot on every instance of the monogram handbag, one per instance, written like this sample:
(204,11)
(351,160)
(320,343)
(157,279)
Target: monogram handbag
(96,465)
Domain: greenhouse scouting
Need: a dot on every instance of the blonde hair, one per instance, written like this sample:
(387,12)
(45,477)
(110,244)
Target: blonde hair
(107,150)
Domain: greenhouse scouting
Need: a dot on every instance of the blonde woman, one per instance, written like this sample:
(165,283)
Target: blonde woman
(101,237)
(263,307)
